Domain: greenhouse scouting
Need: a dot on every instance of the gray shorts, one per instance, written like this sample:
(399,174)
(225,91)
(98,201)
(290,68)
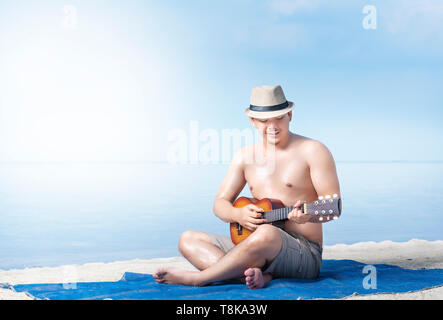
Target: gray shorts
(298,257)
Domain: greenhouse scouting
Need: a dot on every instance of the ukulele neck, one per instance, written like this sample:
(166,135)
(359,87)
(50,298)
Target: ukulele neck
(279,214)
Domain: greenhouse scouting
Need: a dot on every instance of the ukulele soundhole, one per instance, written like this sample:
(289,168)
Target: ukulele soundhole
(239,229)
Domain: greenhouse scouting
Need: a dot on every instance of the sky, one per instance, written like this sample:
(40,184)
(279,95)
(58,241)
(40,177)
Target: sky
(112,81)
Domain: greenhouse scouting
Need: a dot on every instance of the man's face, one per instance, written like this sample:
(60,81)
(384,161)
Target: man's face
(273,129)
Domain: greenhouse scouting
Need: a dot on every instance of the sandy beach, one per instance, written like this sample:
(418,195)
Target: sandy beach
(414,254)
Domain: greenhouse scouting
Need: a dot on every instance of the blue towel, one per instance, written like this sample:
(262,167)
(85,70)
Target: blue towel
(338,279)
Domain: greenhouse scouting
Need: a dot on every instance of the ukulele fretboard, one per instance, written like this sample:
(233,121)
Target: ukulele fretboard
(277,214)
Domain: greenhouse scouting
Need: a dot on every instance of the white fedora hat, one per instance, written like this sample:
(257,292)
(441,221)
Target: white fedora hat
(268,102)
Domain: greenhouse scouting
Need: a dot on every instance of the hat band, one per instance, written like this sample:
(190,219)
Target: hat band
(269,108)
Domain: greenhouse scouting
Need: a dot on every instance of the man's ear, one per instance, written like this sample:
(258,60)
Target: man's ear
(290,115)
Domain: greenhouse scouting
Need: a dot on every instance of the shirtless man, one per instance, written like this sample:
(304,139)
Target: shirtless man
(293,169)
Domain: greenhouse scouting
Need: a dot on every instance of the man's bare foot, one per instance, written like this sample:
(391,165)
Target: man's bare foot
(255,279)
(176,276)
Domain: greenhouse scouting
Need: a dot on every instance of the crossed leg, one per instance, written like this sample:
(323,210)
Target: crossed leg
(245,259)
(198,249)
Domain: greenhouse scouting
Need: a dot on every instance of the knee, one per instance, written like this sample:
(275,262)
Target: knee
(265,235)
(188,239)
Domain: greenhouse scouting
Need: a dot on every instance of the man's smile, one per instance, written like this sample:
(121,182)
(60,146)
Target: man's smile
(272,133)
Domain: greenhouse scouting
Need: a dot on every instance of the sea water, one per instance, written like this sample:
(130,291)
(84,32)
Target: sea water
(59,213)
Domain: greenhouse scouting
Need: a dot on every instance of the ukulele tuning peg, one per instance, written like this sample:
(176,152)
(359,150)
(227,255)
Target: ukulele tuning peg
(320,198)
(335,195)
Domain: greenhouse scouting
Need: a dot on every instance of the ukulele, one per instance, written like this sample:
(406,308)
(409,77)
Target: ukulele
(322,210)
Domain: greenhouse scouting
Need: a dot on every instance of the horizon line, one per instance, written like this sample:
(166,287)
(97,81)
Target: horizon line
(219,163)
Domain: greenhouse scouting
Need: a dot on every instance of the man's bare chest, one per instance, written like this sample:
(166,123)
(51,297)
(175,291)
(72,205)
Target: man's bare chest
(285,179)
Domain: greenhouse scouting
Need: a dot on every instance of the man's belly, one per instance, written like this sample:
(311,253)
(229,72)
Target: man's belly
(310,231)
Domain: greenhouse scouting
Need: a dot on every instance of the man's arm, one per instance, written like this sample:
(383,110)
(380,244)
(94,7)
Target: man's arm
(230,188)
(322,169)
(323,172)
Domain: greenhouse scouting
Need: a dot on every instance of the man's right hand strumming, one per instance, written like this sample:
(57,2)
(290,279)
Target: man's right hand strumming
(249,216)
